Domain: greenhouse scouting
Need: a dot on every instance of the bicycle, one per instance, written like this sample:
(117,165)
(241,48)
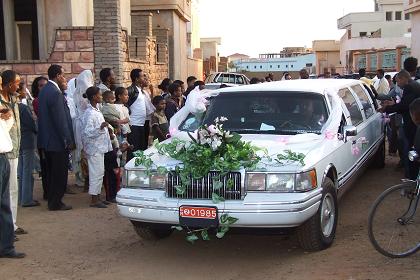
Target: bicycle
(392,219)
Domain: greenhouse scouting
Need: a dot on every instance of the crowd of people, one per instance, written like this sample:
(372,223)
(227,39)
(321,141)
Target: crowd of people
(94,129)
(90,129)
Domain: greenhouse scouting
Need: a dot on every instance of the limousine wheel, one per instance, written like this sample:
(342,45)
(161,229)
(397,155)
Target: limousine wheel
(151,232)
(318,232)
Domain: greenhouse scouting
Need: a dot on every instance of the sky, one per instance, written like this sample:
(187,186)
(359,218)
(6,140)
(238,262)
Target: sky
(260,26)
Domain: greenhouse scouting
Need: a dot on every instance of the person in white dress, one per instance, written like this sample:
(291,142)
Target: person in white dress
(96,143)
(82,83)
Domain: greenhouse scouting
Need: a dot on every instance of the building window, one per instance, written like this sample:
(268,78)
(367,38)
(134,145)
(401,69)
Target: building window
(398,15)
(363,34)
(291,65)
(260,66)
(407,16)
(287,66)
(255,67)
(308,64)
(271,66)
(247,67)
(388,16)
(278,66)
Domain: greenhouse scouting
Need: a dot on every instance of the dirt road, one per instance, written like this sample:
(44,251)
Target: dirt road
(88,243)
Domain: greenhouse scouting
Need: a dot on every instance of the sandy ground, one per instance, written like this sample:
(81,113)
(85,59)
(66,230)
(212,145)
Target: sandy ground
(88,243)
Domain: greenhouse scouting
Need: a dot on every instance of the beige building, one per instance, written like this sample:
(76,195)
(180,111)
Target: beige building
(180,19)
(413,10)
(79,35)
(383,29)
(211,57)
(327,55)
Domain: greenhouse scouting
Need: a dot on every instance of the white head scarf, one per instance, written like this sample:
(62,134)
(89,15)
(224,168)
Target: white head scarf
(83,82)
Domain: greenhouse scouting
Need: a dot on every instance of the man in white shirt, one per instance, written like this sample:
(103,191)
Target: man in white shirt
(137,103)
(381,84)
(7,235)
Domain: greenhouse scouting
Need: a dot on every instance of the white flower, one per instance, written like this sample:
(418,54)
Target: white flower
(212,129)
(223,119)
(215,144)
(216,120)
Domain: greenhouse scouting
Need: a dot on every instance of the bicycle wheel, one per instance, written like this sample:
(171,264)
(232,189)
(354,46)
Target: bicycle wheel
(394,222)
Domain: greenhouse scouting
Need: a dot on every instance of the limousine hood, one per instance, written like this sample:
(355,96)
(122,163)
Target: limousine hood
(311,145)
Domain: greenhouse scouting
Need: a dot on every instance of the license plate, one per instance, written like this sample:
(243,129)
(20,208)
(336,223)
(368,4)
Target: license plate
(198,216)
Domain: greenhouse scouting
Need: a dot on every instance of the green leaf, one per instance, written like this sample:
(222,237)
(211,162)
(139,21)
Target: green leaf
(224,228)
(217,198)
(205,235)
(230,183)
(224,218)
(161,170)
(192,238)
(217,185)
(180,190)
(178,228)
(220,234)
(231,220)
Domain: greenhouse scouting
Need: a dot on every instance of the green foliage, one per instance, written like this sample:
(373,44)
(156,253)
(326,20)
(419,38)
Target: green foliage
(289,156)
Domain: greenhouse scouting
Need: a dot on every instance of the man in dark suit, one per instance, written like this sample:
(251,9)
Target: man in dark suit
(411,91)
(137,104)
(55,137)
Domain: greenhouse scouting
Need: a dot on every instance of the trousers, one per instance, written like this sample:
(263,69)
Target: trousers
(26,179)
(96,173)
(56,167)
(14,189)
(7,233)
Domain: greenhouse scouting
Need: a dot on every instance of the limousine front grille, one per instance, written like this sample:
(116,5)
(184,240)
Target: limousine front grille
(203,188)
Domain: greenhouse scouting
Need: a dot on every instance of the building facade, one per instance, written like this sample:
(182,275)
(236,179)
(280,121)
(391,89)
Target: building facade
(93,34)
(180,19)
(211,57)
(327,57)
(413,10)
(382,31)
(277,64)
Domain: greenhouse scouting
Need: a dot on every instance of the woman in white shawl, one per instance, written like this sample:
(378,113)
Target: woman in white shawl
(83,82)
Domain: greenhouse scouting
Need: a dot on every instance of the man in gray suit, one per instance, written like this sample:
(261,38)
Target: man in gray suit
(55,137)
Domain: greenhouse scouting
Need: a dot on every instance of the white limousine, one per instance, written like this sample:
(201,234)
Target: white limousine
(333,123)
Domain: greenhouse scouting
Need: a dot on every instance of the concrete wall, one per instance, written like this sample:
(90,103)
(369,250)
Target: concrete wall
(82,12)
(125,10)
(415,34)
(56,17)
(181,7)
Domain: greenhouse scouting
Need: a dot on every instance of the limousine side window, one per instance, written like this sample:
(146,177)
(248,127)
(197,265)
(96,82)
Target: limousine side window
(365,100)
(352,106)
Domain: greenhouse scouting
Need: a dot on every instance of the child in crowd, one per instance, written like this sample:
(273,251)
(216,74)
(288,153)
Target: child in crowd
(112,176)
(96,143)
(175,101)
(109,110)
(159,122)
(121,94)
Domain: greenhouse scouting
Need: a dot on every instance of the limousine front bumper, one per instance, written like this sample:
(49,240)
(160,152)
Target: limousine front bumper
(256,210)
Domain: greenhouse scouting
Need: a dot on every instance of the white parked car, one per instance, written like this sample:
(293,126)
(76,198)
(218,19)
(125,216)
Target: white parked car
(333,122)
(215,80)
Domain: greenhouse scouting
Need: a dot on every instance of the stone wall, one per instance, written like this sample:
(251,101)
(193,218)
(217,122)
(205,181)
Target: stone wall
(108,37)
(72,48)
(156,71)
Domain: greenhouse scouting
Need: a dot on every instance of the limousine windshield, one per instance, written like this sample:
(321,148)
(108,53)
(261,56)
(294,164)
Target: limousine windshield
(266,112)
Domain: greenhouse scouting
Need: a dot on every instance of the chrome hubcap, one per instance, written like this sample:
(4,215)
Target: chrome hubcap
(327,215)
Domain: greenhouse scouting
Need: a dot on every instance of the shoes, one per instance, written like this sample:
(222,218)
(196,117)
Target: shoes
(20,231)
(98,205)
(62,208)
(13,255)
(105,202)
(32,204)
(112,201)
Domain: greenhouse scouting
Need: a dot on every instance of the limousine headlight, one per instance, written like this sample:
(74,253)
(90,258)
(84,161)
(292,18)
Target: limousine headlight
(144,180)
(281,182)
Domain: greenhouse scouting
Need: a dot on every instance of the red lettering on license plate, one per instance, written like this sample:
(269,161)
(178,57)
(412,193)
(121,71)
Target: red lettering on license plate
(198,212)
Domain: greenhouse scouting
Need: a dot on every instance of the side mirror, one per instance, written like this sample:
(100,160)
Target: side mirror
(349,130)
